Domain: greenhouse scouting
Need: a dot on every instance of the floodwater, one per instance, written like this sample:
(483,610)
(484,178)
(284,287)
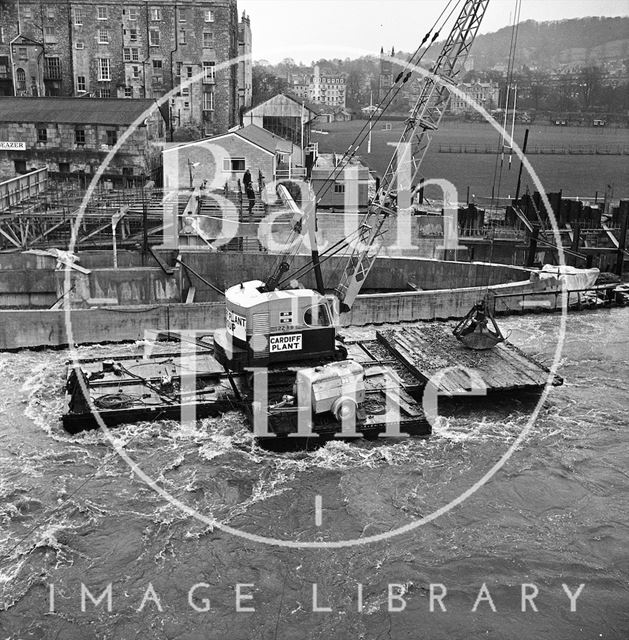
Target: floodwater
(74,517)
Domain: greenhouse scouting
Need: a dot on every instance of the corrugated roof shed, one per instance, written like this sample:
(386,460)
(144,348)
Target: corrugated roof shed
(106,111)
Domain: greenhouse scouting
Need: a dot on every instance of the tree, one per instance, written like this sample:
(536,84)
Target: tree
(265,85)
(590,81)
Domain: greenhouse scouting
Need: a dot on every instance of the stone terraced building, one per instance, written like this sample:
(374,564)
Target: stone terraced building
(75,135)
(114,49)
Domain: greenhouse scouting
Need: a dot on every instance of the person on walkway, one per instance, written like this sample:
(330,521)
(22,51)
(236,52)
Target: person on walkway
(251,195)
(246,180)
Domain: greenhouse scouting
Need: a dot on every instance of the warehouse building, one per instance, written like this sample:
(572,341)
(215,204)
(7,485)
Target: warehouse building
(75,135)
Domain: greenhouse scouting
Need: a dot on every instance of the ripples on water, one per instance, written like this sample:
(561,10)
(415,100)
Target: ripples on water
(73,512)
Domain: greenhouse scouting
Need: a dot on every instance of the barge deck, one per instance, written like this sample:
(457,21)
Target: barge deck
(167,385)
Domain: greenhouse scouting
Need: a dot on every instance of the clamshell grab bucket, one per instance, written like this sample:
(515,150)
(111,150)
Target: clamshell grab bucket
(478,329)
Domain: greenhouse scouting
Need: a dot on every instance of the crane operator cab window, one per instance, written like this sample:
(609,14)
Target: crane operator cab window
(317,316)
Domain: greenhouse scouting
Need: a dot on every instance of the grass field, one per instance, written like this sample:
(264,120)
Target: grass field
(579,176)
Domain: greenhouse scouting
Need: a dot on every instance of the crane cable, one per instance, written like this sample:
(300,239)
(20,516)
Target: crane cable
(349,153)
(395,88)
(499,163)
(404,75)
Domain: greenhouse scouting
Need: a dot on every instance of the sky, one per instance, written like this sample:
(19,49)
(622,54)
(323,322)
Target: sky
(307,30)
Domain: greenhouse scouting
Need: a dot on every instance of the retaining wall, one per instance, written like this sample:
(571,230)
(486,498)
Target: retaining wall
(30,328)
(225,270)
(136,285)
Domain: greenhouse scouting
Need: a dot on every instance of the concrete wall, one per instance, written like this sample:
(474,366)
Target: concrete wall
(23,329)
(441,305)
(31,281)
(27,280)
(224,270)
(137,285)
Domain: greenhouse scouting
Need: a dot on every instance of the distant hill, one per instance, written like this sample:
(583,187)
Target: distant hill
(556,46)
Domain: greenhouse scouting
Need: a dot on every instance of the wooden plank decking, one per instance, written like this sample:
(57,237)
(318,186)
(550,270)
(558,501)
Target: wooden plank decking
(430,348)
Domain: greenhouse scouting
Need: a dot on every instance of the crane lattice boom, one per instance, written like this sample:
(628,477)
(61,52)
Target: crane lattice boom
(395,188)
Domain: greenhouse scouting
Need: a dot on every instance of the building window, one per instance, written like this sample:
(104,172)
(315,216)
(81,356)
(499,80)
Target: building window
(102,13)
(78,16)
(183,15)
(20,166)
(42,134)
(4,66)
(233,164)
(112,137)
(208,101)
(189,72)
(154,37)
(22,53)
(104,71)
(182,37)
(80,45)
(50,34)
(103,36)
(79,137)
(50,13)
(81,85)
(186,105)
(209,15)
(208,39)
(2,36)
(133,13)
(20,76)
(128,92)
(104,93)
(136,72)
(156,14)
(27,12)
(339,188)
(157,71)
(131,54)
(209,72)
(52,68)
(133,35)
(64,167)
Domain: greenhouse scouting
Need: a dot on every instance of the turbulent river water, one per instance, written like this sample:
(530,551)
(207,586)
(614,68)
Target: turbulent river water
(74,518)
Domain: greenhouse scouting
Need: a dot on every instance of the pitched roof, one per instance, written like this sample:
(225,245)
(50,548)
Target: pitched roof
(310,106)
(112,111)
(264,139)
(315,108)
(258,136)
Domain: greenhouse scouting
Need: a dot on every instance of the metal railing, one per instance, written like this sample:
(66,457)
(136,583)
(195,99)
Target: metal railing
(21,188)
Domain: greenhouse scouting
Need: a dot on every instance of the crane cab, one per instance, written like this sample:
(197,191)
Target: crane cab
(269,327)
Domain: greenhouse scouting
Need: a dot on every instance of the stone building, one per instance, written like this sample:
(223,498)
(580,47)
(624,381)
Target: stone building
(328,88)
(115,49)
(484,93)
(385,77)
(245,65)
(322,87)
(225,158)
(74,135)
